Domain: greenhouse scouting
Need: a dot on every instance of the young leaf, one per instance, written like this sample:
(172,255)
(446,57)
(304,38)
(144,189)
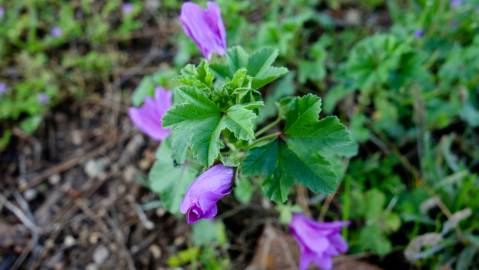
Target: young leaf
(235,59)
(270,75)
(168,180)
(261,60)
(241,122)
(258,65)
(196,125)
(261,69)
(199,77)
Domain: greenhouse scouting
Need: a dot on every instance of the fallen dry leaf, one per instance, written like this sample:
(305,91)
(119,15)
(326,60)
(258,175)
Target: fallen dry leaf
(275,250)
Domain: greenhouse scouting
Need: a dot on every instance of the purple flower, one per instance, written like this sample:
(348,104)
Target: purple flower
(200,199)
(456,3)
(43,98)
(2,12)
(148,118)
(3,88)
(319,242)
(56,31)
(127,8)
(419,33)
(205,27)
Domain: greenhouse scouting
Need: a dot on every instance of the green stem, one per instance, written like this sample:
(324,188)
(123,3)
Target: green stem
(268,127)
(265,138)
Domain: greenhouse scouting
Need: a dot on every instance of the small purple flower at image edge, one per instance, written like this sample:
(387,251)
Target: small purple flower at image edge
(56,31)
(148,118)
(3,88)
(456,3)
(43,98)
(2,12)
(318,242)
(419,33)
(205,27)
(127,8)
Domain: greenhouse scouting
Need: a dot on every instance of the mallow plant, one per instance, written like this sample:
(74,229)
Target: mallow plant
(212,140)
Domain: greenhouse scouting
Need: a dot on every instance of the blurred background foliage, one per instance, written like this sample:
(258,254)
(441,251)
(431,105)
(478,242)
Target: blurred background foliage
(52,51)
(403,74)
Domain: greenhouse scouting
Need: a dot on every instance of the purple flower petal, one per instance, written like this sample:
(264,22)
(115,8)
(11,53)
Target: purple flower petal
(56,31)
(456,3)
(43,98)
(127,8)
(3,88)
(2,12)
(318,241)
(203,194)
(419,33)
(148,118)
(205,27)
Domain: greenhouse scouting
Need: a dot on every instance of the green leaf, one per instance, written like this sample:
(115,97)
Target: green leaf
(5,139)
(301,113)
(308,153)
(335,94)
(30,124)
(373,239)
(313,171)
(286,212)
(470,114)
(200,76)
(184,257)
(168,180)
(196,124)
(392,222)
(282,88)
(147,85)
(359,131)
(314,69)
(268,76)
(276,186)
(261,161)
(240,121)
(466,258)
(144,89)
(261,60)
(373,60)
(282,167)
(374,204)
(309,70)
(238,58)
(243,190)
(258,65)
(206,232)
(235,59)
(269,161)
(305,132)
